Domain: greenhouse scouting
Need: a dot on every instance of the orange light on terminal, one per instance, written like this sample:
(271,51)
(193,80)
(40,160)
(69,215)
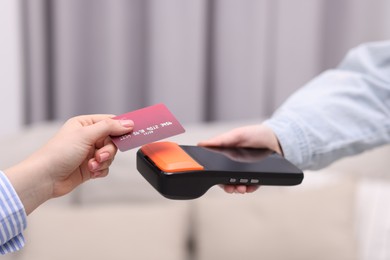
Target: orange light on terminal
(170,157)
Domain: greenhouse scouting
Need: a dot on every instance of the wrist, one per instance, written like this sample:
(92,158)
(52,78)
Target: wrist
(272,140)
(31,183)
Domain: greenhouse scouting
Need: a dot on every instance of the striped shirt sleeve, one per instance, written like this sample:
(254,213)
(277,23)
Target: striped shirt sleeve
(13,219)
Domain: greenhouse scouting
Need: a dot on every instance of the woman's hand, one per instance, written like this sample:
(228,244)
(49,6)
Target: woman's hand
(81,150)
(254,136)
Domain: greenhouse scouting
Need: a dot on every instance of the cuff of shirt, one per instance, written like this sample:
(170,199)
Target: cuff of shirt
(13,219)
(292,138)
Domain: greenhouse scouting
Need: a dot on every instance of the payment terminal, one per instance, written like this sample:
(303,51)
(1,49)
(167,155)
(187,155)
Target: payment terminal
(184,172)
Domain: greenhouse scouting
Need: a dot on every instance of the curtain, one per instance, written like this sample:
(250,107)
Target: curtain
(206,60)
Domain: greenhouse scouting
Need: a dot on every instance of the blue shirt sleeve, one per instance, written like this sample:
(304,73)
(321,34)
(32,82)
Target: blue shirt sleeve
(342,112)
(13,219)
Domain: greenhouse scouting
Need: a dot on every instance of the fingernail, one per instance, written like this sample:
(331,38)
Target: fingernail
(126,123)
(104,157)
(94,166)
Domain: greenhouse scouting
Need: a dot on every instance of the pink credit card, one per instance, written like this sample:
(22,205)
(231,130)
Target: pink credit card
(151,124)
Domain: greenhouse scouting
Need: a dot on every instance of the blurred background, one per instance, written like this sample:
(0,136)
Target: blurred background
(206,60)
(215,64)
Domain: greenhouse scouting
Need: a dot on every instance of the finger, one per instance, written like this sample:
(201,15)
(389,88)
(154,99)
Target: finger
(86,120)
(227,139)
(228,188)
(108,127)
(95,166)
(100,174)
(241,189)
(102,142)
(107,152)
(251,188)
(99,143)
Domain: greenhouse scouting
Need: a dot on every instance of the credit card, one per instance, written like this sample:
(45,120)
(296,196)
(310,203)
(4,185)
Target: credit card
(151,124)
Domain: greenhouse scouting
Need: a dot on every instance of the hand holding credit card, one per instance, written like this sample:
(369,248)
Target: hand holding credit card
(151,124)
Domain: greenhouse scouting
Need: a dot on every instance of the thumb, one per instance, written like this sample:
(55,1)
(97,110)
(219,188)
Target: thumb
(108,127)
